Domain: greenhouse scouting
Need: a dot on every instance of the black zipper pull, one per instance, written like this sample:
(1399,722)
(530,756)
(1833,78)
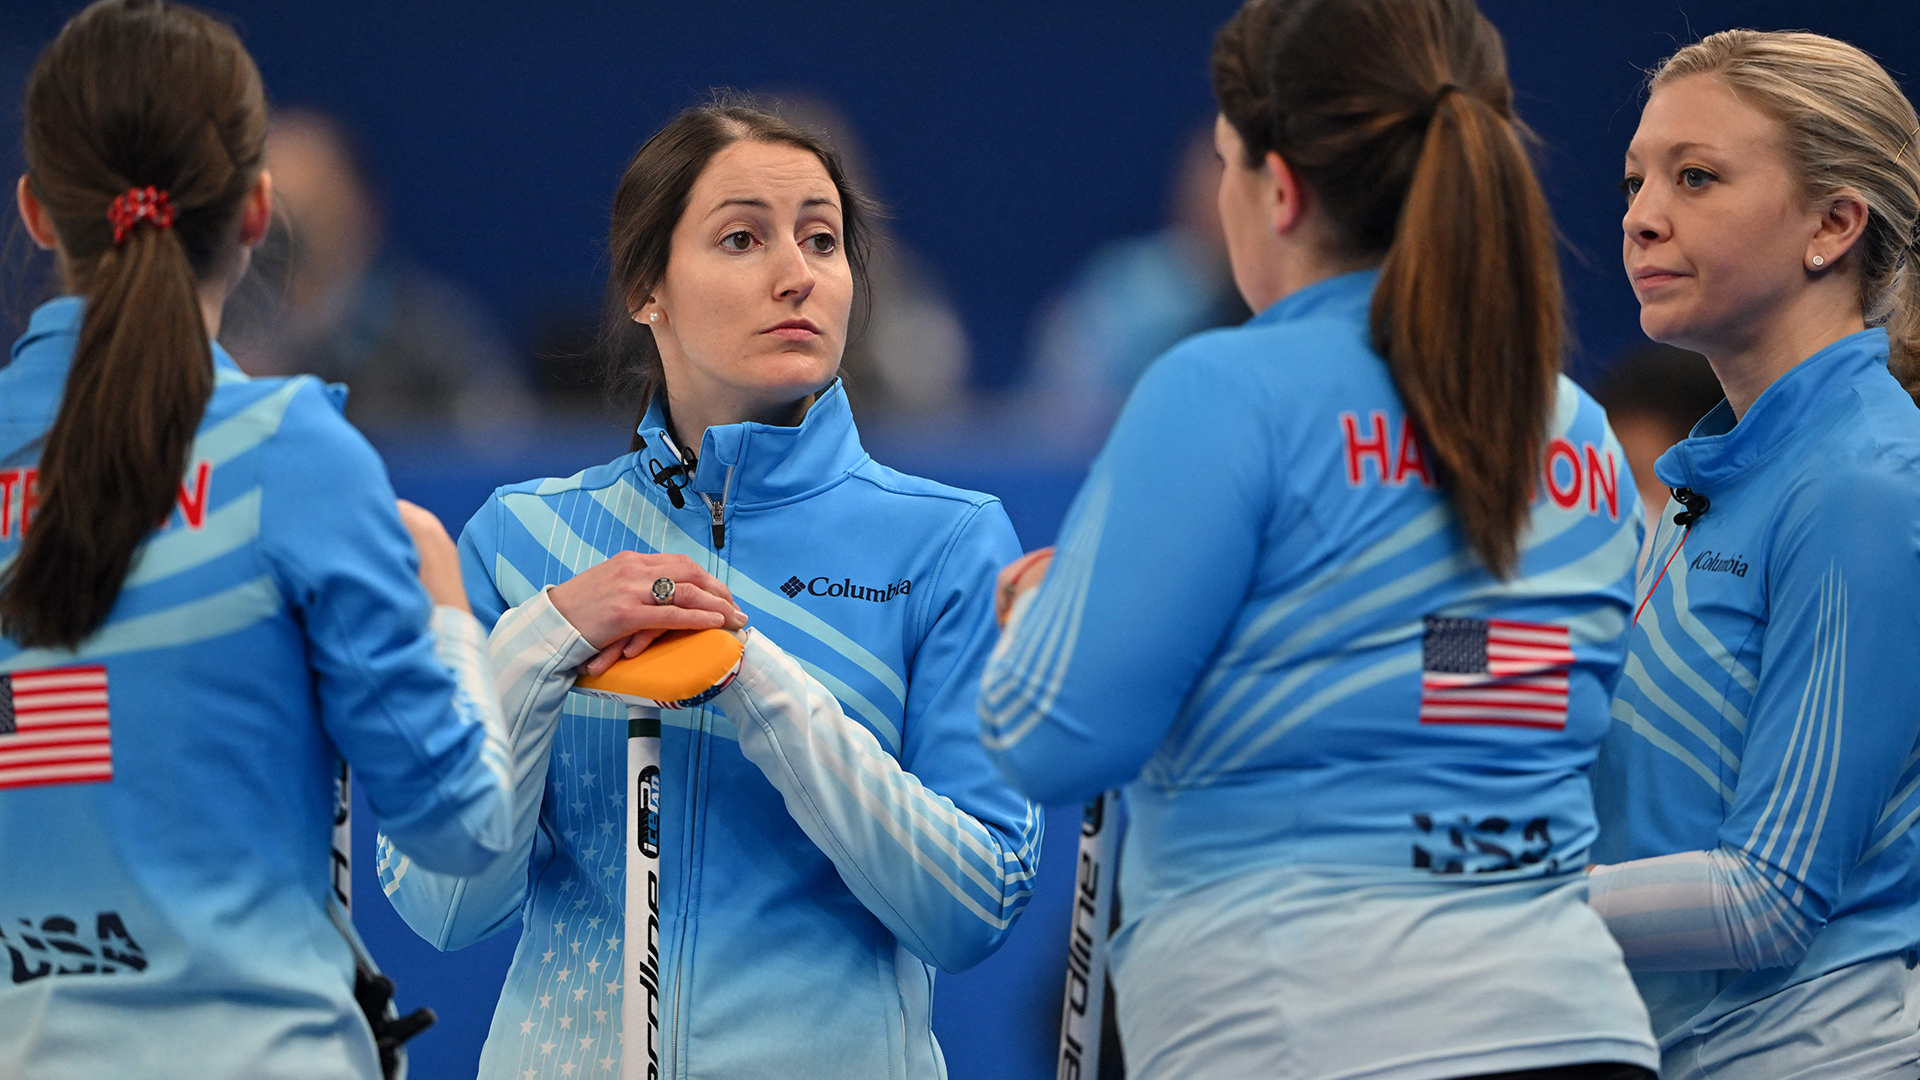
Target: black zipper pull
(718,509)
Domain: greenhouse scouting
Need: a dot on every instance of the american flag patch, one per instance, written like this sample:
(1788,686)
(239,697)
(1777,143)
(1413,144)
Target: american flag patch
(53,727)
(1494,671)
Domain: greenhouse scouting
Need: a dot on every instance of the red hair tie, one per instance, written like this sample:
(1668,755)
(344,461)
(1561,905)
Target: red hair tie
(136,205)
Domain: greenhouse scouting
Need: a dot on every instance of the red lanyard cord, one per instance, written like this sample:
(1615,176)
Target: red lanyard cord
(1696,506)
(1662,574)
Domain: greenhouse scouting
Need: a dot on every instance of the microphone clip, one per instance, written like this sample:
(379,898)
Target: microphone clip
(1696,507)
(672,478)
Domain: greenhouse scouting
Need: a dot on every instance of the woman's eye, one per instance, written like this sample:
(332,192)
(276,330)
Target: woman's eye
(823,243)
(1630,187)
(737,241)
(1695,178)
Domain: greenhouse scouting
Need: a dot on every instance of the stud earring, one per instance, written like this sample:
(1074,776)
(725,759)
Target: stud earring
(654,316)
(1819,261)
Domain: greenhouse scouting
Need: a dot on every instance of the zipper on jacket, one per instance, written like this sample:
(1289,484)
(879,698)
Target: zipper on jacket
(717,509)
(665,478)
(701,739)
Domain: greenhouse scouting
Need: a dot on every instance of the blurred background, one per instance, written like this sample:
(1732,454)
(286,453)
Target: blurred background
(446,170)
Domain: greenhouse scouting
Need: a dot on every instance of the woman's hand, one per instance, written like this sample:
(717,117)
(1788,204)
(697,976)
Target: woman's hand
(439,560)
(612,604)
(1021,575)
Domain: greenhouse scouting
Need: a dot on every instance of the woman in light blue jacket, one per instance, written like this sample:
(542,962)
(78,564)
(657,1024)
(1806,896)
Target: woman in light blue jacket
(1343,594)
(1758,789)
(175,702)
(831,831)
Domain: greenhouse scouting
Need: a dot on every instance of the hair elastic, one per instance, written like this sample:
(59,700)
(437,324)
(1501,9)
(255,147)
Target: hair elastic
(1433,103)
(135,205)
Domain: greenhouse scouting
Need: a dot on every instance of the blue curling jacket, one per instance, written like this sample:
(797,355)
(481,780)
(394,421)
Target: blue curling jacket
(831,831)
(167,792)
(1770,709)
(1264,622)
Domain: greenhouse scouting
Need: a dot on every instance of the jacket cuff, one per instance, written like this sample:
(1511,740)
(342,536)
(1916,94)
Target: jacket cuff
(536,634)
(461,644)
(759,658)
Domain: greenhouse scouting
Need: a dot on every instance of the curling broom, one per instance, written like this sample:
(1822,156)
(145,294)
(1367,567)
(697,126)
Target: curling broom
(681,669)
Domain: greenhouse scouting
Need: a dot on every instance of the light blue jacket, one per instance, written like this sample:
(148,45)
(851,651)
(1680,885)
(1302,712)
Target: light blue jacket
(172,921)
(1769,716)
(1263,620)
(831,830)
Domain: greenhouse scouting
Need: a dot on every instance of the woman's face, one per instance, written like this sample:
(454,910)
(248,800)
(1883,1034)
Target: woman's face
(1717,227)
(753,307)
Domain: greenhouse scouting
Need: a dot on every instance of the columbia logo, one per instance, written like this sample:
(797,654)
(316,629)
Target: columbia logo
(825,586)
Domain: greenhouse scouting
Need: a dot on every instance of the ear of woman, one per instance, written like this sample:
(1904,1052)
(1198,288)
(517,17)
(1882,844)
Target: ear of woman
(256,214)
(1841,226)
(34,216)
(1276,246)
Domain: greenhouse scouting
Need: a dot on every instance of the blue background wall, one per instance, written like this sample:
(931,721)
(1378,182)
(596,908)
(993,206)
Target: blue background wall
(1009,140)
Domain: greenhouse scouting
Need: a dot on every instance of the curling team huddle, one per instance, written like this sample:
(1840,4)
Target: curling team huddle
(1441,756)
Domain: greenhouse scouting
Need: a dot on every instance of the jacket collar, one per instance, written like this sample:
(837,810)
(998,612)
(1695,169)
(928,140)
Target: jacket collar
(1718,449)
(37,367)
(753,464)
(1343,294)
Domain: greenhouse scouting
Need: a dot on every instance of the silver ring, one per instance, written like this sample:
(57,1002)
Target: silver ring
(663,590)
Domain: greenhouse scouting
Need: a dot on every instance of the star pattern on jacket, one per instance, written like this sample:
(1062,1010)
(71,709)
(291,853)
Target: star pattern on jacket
(572,1028)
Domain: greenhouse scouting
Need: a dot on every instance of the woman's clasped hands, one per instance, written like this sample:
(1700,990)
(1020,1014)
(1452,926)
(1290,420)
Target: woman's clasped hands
(613,604)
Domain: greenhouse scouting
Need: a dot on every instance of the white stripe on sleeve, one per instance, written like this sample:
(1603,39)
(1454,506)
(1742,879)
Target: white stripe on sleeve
(1698,911)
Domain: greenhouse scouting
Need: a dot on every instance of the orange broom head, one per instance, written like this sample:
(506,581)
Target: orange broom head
(679,666)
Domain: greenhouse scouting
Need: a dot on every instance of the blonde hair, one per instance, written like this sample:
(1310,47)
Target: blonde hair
(1847,125)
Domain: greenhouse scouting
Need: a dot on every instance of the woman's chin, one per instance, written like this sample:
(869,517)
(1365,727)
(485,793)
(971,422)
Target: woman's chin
(791,372)
(771,390)
(1661,323)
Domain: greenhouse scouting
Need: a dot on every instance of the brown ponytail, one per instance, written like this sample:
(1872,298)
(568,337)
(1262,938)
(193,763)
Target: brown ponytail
(1398,115)
(133,93)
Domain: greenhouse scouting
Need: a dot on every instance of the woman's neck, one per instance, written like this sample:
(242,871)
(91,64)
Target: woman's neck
(1305,255)
(1748,366)
(688,418)
(212,294)
(213,304)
